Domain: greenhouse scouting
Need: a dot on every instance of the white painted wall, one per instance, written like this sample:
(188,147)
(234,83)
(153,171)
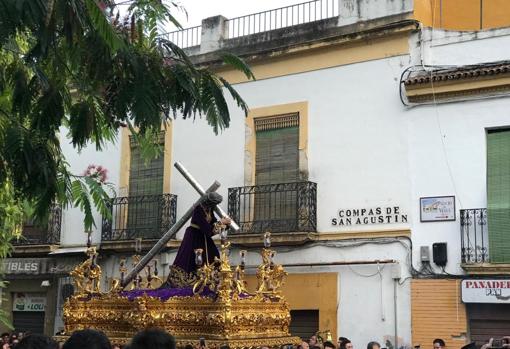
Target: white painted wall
(447,142)
(357,140)
(72,218)
(445,47)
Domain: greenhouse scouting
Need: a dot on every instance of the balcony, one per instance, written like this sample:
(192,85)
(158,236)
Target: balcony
(278,208)
(35,234)
(474,236)
(147,217)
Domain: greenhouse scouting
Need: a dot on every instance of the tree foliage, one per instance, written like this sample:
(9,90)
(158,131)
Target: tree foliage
(78,71)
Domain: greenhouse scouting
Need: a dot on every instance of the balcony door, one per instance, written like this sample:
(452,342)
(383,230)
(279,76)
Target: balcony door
(276,163)
(498,195)
(145,194)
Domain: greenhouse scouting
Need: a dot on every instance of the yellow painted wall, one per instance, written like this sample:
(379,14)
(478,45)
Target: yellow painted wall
(437,312)
(496,13)
(309,292)
(463,14)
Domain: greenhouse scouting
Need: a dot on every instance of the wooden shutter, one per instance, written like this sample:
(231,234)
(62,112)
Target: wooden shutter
(145,177)
(277,161)
(498,195)
(277,149)
(145,185)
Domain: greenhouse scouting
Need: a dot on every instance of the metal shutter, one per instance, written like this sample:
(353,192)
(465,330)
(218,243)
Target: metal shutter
(32,321)
(304,323)
(498,195)
(488,321)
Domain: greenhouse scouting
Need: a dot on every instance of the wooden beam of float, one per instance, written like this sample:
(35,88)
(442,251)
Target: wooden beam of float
(219,211)
(158,247)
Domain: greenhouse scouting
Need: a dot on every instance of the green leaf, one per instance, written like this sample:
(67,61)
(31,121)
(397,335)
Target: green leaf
(237,63)
(103,27)
(81,199)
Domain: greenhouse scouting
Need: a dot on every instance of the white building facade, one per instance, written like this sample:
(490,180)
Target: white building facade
(344,142)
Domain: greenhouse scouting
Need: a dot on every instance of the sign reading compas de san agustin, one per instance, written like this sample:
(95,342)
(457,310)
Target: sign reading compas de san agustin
(376,215)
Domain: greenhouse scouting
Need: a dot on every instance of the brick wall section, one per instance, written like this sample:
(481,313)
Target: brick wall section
(437,312)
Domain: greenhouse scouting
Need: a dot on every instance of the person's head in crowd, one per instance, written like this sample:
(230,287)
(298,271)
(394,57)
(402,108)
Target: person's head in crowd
(373,345)
(348,344)
(438,343)
(152,339)
(115,346)
(87,339)
(5,337)
(341,342)
(304,345)
(37,341)
(329,345)
(14,343)
(312,341)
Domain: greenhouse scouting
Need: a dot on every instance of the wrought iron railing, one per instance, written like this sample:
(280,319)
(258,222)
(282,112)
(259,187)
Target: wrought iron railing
(184,38)
(282,17)
(278,208)
(146,217)
(48,234)
(474,236)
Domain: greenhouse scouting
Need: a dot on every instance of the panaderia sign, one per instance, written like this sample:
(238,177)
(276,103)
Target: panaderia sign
(486,291)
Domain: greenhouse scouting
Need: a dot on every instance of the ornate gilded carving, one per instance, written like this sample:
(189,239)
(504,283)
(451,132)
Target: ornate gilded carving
(229,315)
(87,275)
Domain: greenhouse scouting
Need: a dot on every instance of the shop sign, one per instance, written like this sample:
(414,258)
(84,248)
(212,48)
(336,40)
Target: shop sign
(63,266)
(486,291)
(28,302)
(23,265)
(365,216)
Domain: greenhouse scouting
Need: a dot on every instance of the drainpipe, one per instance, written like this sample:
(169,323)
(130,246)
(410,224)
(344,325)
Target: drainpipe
(395,288)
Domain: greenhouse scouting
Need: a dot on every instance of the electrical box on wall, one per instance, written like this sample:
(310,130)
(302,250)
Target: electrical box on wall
(439,252)
(424,254)
(396,271)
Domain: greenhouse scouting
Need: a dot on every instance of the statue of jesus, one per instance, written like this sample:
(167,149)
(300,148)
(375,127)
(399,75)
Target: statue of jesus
(204,225)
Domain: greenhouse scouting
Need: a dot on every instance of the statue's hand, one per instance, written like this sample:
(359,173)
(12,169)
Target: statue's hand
(225,221)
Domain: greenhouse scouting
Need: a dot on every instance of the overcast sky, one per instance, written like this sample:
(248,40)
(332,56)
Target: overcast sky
(200,9)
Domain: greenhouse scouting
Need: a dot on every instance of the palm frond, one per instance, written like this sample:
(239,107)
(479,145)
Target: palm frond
(237,63)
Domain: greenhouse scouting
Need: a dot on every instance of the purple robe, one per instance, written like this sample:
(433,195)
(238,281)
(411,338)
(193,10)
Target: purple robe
(198,235)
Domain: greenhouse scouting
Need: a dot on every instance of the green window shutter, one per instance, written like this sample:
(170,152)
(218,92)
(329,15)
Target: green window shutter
(145,177)
(277,149)
(276,161)
(498,195)
(144,209)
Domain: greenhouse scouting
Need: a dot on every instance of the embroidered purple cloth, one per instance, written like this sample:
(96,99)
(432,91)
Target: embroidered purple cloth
(167,293)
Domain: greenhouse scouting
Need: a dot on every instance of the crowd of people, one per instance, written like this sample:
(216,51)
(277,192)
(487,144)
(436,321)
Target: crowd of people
(159,339)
